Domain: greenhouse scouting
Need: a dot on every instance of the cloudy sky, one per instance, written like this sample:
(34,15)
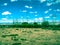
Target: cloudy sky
(29,10)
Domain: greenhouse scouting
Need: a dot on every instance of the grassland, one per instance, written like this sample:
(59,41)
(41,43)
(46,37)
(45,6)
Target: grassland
(29,36)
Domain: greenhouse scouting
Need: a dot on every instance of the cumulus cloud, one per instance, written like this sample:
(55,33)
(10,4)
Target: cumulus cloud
(21,17)
(36,15)
(42,1)
(50,9)
(53,1)
(28,6)
(13,0)
(5,4)
(49,4)
(35,12)
(31,12)
(58,10)
(47,17)
(6,20)
(6,13)
(50,14)
(39,19)
(46,11)
(57,1)
(24,11)
(31,20)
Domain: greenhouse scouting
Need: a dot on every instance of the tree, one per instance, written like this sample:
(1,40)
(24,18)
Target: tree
(35,24)
(45,24)
(24,24)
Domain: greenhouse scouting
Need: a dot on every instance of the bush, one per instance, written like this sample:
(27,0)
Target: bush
(35,25)
(45,24)
(16,44)
(24,24)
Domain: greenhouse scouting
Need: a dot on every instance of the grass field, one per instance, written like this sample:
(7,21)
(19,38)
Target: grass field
(29,36)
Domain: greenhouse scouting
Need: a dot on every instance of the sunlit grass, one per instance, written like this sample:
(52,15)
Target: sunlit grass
(30,36)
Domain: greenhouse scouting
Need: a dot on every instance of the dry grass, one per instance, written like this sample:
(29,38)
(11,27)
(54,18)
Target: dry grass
(30,36)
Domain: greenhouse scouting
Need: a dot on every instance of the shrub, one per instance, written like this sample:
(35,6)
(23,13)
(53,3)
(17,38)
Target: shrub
(45,24)
(16,44)
(35,25)
(23,39)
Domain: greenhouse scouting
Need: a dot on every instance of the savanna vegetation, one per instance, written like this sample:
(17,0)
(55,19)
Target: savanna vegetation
(30,34)
(44,25)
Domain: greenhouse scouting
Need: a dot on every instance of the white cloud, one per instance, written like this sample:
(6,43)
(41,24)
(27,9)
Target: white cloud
(36,15)
(31,20)
(47,17)
(21,17)
(58,10)
(49,4)
(35,12)
(24,11)
(50,9)
(38,19)
(6,13)
(5,4)
(46,12)
(31,12)
(13,0)
(28,6)
(42,1)
(57,1)
(53,1)
(4,19)
(50,14)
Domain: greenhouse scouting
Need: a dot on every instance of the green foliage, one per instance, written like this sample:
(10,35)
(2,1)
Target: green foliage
(17,29)
(25,23)
(9,35)
(36,25)
(14,38)
(16,44)
(23,39)
(0,43)
(45,24)
(3,36)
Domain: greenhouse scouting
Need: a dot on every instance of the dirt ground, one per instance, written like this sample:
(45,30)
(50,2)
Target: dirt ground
(29,36)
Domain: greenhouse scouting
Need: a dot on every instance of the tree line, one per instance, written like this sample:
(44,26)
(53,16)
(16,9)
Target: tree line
(44,25)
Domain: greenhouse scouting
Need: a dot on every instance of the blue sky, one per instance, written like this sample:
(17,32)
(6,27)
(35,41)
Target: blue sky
(29,10)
